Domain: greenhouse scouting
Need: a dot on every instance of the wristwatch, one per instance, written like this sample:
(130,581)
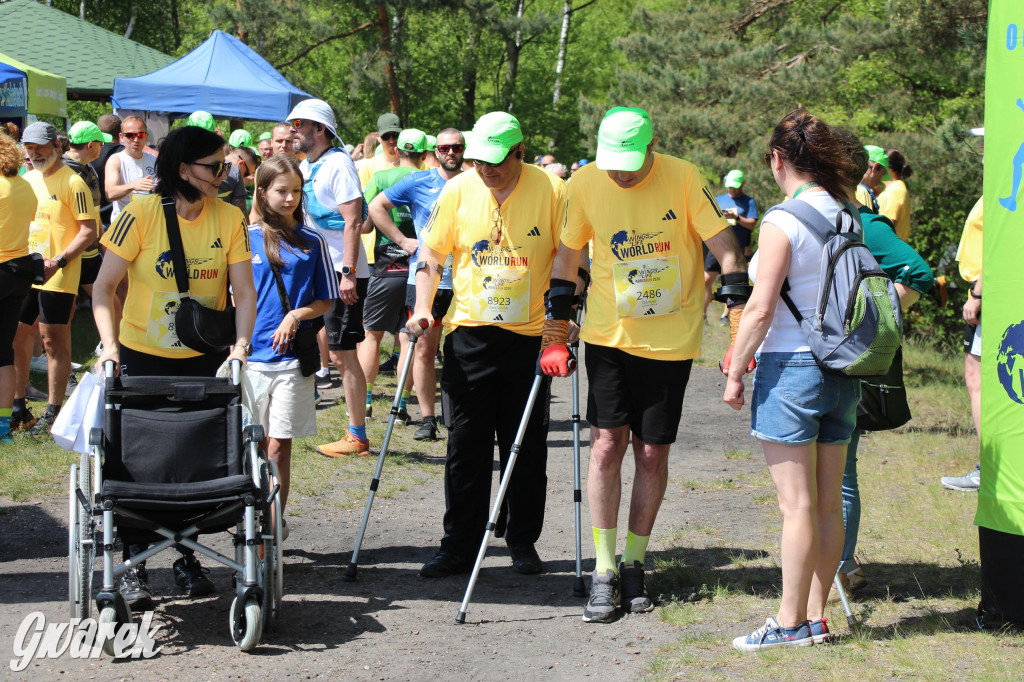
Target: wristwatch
(974,295)
(247,347)
(347,270)
(62,262)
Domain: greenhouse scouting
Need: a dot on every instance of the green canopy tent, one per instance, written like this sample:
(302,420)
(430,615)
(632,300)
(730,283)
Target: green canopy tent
(47,92)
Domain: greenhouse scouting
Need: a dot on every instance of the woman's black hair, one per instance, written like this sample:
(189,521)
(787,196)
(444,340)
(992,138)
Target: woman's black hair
(898,164)
(183,145)
(820,151)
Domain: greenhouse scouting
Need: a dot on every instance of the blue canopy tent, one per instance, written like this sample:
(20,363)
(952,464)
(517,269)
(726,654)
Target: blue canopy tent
(223,76)
(13,92)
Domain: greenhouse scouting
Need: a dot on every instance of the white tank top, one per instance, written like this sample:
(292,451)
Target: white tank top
(132,170)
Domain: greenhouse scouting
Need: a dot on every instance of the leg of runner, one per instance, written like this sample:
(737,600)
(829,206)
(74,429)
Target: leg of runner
(604,490)
(368,352)
(829,513)
(57,341)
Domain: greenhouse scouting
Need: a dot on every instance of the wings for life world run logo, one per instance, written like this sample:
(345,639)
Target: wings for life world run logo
(486,254)
(1010,362)
(643,274)
(165,267)
(629,244)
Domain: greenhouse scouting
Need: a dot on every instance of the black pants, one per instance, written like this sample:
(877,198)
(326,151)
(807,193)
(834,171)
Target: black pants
(13,290)
(485,383)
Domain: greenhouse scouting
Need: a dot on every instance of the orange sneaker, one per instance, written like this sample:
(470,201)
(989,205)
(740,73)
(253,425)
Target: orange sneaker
(347,445)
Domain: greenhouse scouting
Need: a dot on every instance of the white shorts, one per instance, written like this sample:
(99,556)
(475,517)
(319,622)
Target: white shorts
(284,402)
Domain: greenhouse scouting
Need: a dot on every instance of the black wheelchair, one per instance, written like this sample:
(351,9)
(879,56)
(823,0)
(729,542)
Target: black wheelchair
(173,460)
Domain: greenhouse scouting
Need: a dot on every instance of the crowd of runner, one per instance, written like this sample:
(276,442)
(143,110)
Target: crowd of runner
(325,248)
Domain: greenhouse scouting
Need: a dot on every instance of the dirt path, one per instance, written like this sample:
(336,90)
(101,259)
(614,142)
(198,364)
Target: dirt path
(392,624)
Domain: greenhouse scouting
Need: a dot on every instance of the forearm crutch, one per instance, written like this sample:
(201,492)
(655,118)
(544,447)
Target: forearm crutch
(505,478)
(579,589)
(351,572)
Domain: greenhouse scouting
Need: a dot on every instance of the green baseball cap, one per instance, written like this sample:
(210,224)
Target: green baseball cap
(493,136)
(878,155)
(86,131)
(623,138)
(201,119)
(412,140)
(431,143)
(388,123)
(734,179)
(240,138)
(265,136)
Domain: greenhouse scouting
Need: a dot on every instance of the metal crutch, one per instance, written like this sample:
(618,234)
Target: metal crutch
(506,477)
(850,619)
(579,589)
(351,572)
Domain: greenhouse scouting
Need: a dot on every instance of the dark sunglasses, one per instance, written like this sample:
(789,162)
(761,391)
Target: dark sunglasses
(478,163)
(141,135)
(453,148)
(297,123)
(388,137)
(218,168)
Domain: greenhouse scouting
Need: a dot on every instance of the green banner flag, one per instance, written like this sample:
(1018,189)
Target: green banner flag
(1001,498)
(47,92)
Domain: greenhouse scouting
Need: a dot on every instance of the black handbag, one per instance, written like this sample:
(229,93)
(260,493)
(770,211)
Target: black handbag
(883,399)
(200,328)
(304,344)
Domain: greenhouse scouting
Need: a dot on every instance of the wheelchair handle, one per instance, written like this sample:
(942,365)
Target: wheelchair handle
(109,368)
(236,371)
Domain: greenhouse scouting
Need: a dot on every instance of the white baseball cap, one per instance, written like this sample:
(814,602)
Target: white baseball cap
(315,110)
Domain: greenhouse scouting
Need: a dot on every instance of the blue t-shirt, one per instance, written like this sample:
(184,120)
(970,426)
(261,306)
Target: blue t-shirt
(746,207)
(307,277)
(419,192)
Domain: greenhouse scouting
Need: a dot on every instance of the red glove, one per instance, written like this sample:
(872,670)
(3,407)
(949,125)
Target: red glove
(557,361)
(727,362)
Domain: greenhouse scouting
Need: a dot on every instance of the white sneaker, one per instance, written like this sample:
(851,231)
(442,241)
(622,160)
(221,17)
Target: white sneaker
(38,364)
(98,351)
(968,483)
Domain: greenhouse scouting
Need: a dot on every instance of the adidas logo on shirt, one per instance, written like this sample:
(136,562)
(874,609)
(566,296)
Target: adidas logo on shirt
(256,260)
(535,232)
(499,318)
(671,215)
(217,244)
(650,311)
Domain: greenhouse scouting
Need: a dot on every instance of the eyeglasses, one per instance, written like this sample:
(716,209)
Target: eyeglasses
(478,163)
(497,226)
(219,168)
(453,148)
(768,156)
(388,137)
(297,123)
(131,136)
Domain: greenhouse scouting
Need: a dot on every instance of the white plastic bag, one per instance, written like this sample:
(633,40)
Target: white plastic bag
(81,413)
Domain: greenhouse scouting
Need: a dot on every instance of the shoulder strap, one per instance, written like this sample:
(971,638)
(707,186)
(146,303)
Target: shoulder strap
(177,249)
(810,217)
(285,303)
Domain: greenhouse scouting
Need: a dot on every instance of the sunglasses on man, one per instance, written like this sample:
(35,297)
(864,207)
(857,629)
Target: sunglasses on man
(451,148)
(131,136)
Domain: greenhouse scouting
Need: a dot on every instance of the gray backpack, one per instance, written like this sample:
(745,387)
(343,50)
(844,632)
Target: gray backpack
(858,323)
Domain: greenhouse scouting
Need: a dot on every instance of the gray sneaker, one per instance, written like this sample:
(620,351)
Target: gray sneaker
(967,483)
(604,598)
(634,590)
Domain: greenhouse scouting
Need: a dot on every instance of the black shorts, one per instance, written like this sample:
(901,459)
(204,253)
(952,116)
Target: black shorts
(344,323)
(711,263)
(49,307)
(90,268)
(384,310)
(442,301)
(138,364)
(645,394)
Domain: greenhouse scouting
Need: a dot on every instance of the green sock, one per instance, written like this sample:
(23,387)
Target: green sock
(604,549)
(5,412)
(369,393)
(403,402)
(636,548)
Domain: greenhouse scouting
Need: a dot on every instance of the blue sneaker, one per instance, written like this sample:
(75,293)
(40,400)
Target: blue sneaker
(819,631)
(771,634)
(317,398)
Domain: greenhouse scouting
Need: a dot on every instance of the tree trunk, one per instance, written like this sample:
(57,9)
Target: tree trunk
(131,21)
(515,46)
(175,26)
(384,23)
(243,35)
(563,42)
(469,73)
(81,10)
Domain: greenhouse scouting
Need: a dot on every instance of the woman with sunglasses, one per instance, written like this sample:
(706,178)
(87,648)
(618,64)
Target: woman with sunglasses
(803,417)
(215,238)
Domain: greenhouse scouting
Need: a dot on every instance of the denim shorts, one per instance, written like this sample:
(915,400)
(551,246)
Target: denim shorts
(795,403)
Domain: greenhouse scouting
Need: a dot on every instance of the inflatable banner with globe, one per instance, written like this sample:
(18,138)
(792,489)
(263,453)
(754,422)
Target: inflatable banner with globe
(1001,498)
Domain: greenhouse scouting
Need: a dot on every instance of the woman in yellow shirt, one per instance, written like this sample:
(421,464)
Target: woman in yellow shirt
(894,202)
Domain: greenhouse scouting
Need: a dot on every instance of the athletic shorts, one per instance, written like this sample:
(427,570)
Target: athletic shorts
(711,263)
(285,402)
(795,403)
(442,301)
(972,339)
(384,310)
(49,307)
(90,268)
(643,393)
(141,364)
(344,323)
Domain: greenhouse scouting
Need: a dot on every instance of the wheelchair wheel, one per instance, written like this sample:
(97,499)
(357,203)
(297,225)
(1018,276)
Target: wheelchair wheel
(109,615)
(81,551)
(246,632)
(86,537)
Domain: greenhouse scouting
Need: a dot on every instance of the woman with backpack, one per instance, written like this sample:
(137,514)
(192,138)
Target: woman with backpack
(803,416)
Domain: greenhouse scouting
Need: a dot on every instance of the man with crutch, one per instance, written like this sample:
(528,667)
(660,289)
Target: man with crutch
(501,224)
(647,214)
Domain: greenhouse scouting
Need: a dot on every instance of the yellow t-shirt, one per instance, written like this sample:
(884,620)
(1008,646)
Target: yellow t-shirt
(894,204)
(865,197)
(969,251)
(217,238)
(647,294)
(63,200)
(17,208)
(499,279)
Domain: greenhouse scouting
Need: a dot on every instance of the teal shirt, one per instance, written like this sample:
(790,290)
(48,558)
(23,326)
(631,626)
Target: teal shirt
(899,260)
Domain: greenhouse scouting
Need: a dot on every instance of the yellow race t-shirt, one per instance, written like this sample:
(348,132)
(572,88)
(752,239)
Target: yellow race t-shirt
(969,252)
(501,257)
(63,199)
(217,238)
(17,208)
(894,204)
(647,295)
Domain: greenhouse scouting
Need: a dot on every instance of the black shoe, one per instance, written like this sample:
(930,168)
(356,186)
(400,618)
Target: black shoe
(525,559)
(402,418)
(22,420)
(388,366)
(444,565)
(133,586)
(43,424)
(427,430)
(191,577)
(324,382)
(635,598)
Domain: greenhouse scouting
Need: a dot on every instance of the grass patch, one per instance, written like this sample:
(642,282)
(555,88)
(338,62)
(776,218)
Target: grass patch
(738,454)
